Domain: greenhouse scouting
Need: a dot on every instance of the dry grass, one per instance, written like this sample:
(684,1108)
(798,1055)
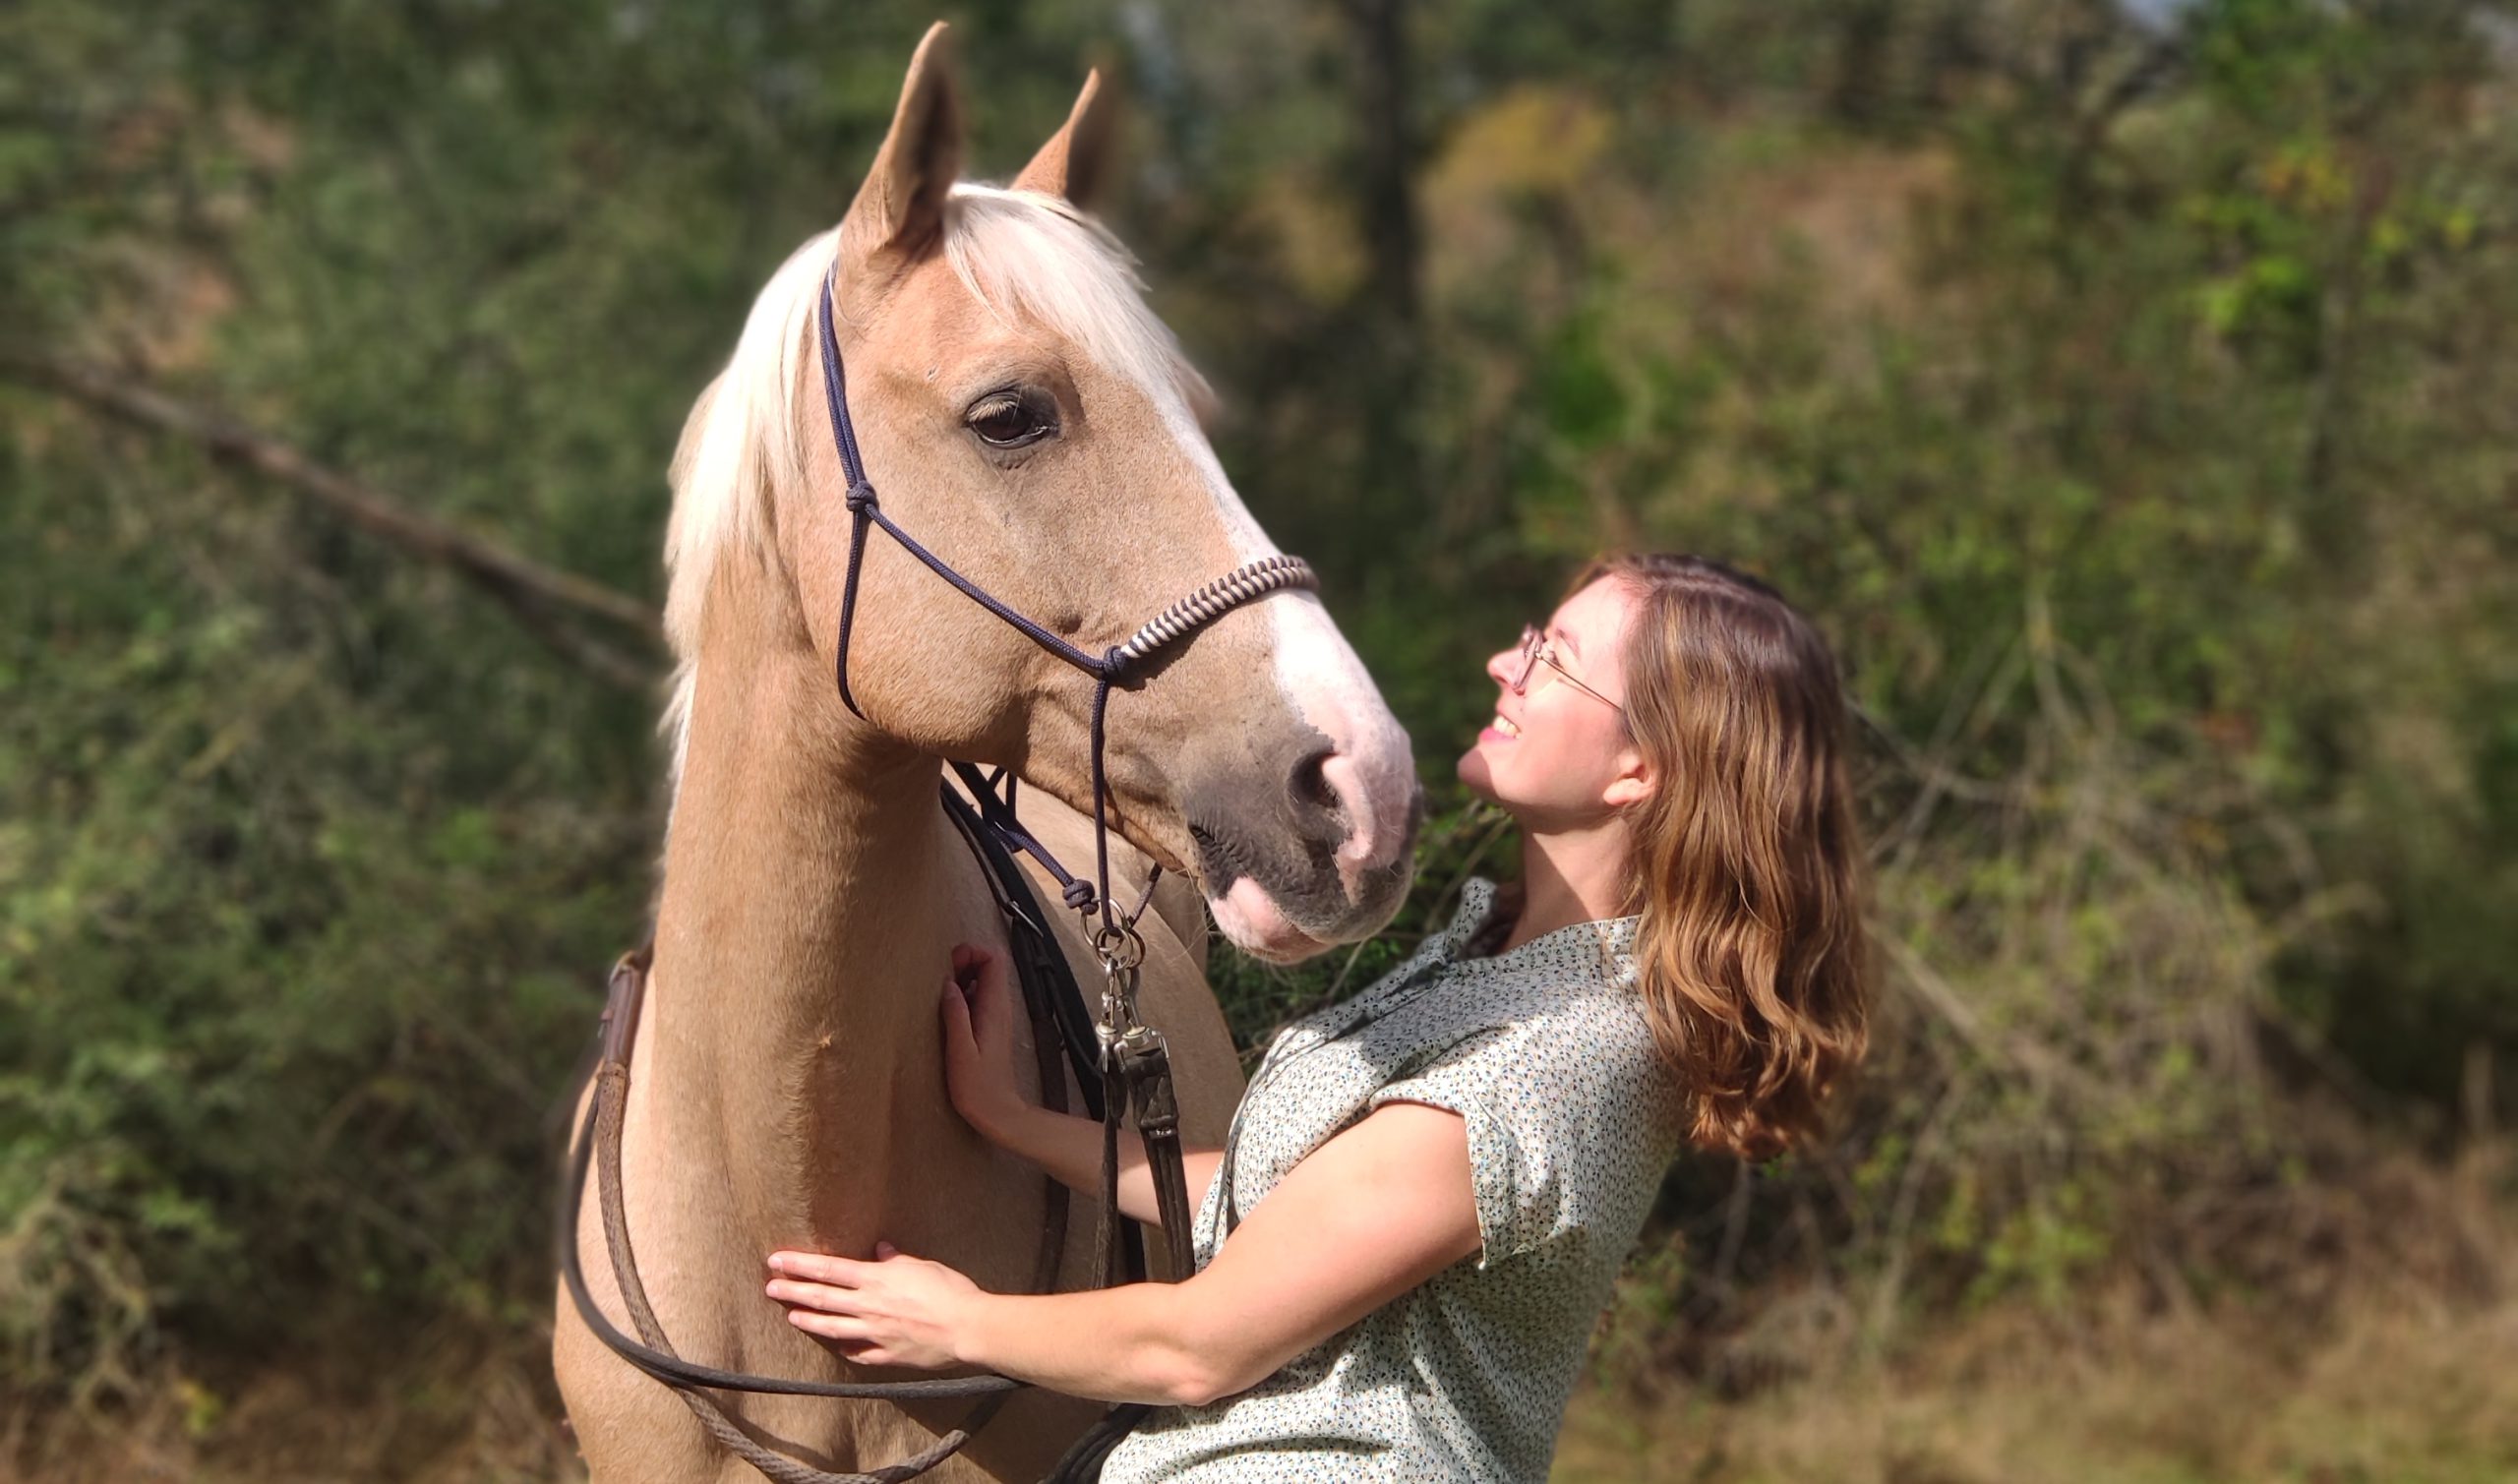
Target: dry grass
(2376,1344)
(451,1411)
(2389,1393)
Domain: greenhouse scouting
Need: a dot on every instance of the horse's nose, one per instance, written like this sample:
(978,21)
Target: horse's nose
(1333,806)
(1320,812)
(1302,837)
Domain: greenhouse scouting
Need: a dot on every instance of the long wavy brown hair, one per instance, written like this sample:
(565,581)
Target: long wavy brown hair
(1746,863)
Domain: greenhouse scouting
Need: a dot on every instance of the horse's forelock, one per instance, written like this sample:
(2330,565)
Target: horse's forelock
(1026,255)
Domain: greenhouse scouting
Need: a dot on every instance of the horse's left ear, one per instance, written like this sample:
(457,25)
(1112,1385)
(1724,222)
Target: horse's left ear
(899,212)
(1075,163)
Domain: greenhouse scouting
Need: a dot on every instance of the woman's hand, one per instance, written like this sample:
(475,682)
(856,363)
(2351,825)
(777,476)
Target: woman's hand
(896,1310)
(979,1043)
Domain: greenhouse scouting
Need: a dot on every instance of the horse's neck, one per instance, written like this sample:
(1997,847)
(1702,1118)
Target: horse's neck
(806,887)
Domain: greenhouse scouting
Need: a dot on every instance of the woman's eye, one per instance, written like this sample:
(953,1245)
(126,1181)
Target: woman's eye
(1009,421)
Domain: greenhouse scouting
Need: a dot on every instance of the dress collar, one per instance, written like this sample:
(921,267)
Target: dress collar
(1612,938)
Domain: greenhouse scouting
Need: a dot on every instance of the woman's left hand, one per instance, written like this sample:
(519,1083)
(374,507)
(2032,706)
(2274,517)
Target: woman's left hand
(896,1310)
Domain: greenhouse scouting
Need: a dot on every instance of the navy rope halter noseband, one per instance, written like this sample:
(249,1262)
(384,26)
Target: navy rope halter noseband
(1114,666)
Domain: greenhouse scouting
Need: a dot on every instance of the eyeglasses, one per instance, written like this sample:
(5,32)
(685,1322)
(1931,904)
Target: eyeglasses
(1536,651)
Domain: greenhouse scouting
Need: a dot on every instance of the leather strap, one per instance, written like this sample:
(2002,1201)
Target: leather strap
(1145,1065)
(1082,1463)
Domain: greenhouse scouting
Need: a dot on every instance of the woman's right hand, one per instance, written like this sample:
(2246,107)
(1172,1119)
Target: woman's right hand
(979,1043)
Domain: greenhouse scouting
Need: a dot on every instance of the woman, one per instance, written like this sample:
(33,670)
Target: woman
(1429,1189)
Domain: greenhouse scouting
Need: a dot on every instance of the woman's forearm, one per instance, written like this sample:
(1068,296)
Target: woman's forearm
(1069,1149)
(1138,1342)
(1372,1213)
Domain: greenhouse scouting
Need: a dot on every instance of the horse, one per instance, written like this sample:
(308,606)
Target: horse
(1026,413)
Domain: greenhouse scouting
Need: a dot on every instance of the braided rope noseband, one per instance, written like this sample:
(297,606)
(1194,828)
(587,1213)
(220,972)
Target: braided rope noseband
(1252,581)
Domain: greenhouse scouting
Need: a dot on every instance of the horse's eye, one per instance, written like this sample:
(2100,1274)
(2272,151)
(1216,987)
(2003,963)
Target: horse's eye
(1012,419)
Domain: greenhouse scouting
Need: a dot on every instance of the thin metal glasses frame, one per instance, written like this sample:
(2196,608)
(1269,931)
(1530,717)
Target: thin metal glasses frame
(1535,653)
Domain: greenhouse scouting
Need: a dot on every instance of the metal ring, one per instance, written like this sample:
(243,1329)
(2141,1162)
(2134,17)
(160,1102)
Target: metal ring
(1120,946)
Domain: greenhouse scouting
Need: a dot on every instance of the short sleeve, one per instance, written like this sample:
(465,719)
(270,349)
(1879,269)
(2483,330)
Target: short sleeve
(1523,1145)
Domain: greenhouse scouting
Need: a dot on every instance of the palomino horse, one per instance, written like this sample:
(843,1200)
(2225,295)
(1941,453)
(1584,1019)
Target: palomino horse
(1027,416)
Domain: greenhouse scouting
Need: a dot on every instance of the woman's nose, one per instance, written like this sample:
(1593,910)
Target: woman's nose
(1499,666)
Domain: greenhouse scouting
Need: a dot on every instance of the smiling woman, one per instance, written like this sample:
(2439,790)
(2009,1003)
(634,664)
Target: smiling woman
(1426,1193)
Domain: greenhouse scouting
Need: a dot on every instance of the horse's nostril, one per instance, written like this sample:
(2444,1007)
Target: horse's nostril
(1310,786)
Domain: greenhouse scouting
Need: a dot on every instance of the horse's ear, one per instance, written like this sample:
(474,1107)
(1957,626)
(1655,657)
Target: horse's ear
(1075,163)
(899,211)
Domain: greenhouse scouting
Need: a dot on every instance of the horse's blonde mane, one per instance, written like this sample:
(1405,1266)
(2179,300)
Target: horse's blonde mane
(1021,254)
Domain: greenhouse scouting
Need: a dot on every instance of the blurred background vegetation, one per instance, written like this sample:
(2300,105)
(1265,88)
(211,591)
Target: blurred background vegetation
(2129,387)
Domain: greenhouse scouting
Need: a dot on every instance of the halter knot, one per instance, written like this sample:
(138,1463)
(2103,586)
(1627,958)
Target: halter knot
(1118,666)
(1079,895)
(861,496)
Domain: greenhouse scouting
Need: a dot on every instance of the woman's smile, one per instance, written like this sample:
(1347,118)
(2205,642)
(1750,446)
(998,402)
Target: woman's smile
(1557,746)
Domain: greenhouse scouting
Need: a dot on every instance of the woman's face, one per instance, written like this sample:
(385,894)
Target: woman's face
(1557,756)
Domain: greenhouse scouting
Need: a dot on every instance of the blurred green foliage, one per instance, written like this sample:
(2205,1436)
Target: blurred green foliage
(2130,398)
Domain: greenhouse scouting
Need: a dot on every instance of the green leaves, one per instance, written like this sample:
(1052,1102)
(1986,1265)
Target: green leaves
(2131,407)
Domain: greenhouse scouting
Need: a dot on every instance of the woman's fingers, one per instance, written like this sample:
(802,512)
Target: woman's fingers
(837,1315)
(837,1327)
(977,970)
(993,1010)
(977,1019)
(973,1064)
(987,1020)
(979,1041)
(896,1310)
(822,1297)
(816,1267)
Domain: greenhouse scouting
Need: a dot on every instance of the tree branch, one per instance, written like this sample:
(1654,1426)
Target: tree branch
(537,595)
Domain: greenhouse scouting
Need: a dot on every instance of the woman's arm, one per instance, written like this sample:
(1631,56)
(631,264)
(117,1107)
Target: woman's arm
(979,1074)
(1069,1149)
(1371,1214)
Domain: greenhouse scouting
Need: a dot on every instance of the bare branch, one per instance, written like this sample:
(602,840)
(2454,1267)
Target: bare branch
(536,594)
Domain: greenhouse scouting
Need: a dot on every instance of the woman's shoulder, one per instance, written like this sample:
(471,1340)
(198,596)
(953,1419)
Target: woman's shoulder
(1591,1041)
(1602,1031)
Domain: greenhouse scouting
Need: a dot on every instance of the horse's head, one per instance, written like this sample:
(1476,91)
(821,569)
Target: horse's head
(1025,415)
